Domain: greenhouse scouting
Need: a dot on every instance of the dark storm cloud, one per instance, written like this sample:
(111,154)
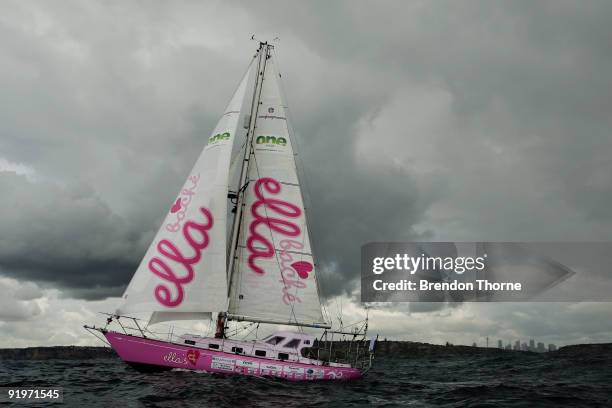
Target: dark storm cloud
(66,237)
(490,120)
(109,136)
(457,121)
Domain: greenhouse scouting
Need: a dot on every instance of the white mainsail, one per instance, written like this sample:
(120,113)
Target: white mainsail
(183,273)
(274,273)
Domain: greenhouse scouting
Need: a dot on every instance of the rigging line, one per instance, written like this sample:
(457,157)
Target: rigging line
(234,330)
(252,153)
(240,329)
(250,331)
(238,217)
(355,323)
(299,165)
(340,315)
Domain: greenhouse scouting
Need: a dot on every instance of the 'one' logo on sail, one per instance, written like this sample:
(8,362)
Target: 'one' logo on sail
(271,140)
(218,137)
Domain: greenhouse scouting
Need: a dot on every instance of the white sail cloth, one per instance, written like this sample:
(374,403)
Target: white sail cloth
(183,273)
(274,277)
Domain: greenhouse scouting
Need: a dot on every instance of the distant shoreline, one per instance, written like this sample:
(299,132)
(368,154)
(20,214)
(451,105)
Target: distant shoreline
(384,348)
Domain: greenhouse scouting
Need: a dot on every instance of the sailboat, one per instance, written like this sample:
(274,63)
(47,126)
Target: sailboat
(235,247)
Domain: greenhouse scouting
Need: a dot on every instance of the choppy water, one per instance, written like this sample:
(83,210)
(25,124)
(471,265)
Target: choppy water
(505,379)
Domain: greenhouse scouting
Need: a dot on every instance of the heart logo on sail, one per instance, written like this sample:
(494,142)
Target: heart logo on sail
(302,268)
(192,356)
(176,206)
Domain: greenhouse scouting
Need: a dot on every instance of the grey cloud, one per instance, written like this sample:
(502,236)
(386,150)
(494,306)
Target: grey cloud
(17,301)
(479,120)
(65,236)
(516,148)
(28,291)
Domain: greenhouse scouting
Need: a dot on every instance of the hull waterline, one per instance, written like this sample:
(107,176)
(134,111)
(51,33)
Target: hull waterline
(147,354)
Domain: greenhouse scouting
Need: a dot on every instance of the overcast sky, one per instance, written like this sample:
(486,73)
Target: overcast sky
(414,120)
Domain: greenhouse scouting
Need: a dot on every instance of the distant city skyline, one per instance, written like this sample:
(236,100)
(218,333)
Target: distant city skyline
(538,347)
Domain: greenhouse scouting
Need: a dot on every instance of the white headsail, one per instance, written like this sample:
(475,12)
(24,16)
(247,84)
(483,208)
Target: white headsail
(183,273)
(274,276)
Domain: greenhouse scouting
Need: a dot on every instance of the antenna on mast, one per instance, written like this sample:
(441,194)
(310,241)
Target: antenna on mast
(254,38)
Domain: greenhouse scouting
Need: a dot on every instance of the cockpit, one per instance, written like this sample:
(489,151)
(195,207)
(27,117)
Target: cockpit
(289,340)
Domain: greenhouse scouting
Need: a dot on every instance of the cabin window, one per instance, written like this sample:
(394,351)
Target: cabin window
(294,343)
(190,342)
(237,350)
(213,346)
(275,340)
(260,353)
(283,356)
(306,341)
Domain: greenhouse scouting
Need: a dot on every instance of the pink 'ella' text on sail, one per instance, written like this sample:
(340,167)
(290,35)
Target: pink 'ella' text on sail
(282,226)
(168,251)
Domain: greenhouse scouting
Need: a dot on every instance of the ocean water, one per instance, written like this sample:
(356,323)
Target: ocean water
(499,380)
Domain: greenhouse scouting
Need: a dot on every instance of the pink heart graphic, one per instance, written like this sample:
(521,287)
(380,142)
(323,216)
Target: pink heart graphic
(302,268)
(192,356)
(176,206)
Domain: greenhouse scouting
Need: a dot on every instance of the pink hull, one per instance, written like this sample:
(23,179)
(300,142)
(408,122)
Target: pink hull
(138,350)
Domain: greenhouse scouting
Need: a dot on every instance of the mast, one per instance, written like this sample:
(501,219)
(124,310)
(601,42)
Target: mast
(273,272)
(263,53)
